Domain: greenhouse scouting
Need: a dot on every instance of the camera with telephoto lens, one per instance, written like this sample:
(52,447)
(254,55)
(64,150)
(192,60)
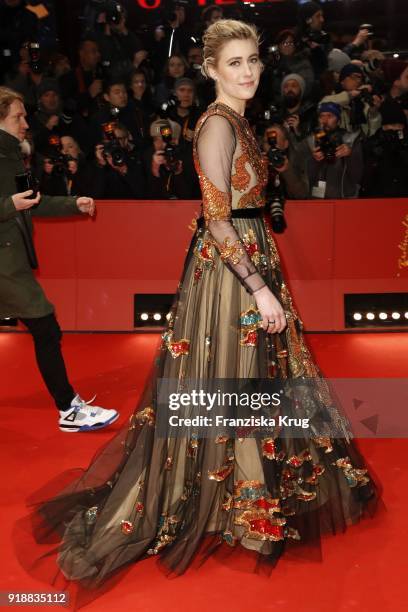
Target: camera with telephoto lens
(275,195)
(170,150)
(276,156)
(57,158)
(34,53)
(276,205)
(112,9)
(367,97)
(112,145)
(379,88)
(275,201)
(328,142)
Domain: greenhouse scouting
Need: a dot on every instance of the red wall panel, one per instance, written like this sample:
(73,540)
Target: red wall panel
(91,268)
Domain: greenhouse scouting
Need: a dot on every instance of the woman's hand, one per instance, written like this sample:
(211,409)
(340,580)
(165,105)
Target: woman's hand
(270,310)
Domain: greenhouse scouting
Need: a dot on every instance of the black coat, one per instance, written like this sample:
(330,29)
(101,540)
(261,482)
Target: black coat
(128,116)
(20,293)
(110,184)
(17,25)
(385,167)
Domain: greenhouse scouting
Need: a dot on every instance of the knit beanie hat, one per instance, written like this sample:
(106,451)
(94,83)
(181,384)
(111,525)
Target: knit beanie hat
(337,59)
(294,77)
(330,107)
(348,70)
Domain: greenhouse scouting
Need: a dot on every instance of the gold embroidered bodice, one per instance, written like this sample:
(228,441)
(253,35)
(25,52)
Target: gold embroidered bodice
(233,174)
(232,171)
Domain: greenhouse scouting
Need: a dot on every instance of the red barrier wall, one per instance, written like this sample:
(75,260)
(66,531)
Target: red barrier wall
(91,268)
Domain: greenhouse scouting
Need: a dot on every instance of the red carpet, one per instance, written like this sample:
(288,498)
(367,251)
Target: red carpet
(361,570)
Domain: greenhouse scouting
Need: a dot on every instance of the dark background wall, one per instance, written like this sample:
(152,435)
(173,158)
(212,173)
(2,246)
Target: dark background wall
(389,17)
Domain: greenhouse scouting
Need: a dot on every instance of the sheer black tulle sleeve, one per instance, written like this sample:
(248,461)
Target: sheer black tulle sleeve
(216,144)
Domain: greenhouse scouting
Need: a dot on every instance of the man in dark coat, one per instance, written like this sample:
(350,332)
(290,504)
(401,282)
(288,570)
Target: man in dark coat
(334,161)
(386,155)
(21,296)
(17,26)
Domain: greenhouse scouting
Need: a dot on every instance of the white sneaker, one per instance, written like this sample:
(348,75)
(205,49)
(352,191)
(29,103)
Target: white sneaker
(81,416)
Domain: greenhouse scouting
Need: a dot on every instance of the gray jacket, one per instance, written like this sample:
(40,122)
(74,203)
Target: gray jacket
(343,177)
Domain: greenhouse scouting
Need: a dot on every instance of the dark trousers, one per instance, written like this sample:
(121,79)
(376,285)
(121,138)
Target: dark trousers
(47,341)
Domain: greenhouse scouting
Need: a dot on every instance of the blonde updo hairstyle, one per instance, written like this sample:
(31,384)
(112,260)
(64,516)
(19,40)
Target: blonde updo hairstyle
(220,33)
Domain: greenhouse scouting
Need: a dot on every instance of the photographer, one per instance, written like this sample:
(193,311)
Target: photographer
(171,36)
(169,166)
(195,60)
(116,42)
(119,171)
(175,68)
(396,75)
(120,109)
(360,43)
(310,36)
(359,102)
(287,177)
(27,74)
(334,162)
(83,86)
(285,58)
(204,87)
(141,96)
(298,115)
(21,296)
(210,14)
(386,156)
(65,169)
(50,119)
(17,25)
(184,110)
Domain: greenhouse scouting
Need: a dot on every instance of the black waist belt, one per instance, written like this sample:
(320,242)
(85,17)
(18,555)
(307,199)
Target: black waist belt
(239,213)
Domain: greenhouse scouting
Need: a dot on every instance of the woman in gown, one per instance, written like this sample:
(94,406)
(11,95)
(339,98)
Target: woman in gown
(233,317)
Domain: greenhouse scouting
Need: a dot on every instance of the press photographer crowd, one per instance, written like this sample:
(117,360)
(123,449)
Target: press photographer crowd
(118,121)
